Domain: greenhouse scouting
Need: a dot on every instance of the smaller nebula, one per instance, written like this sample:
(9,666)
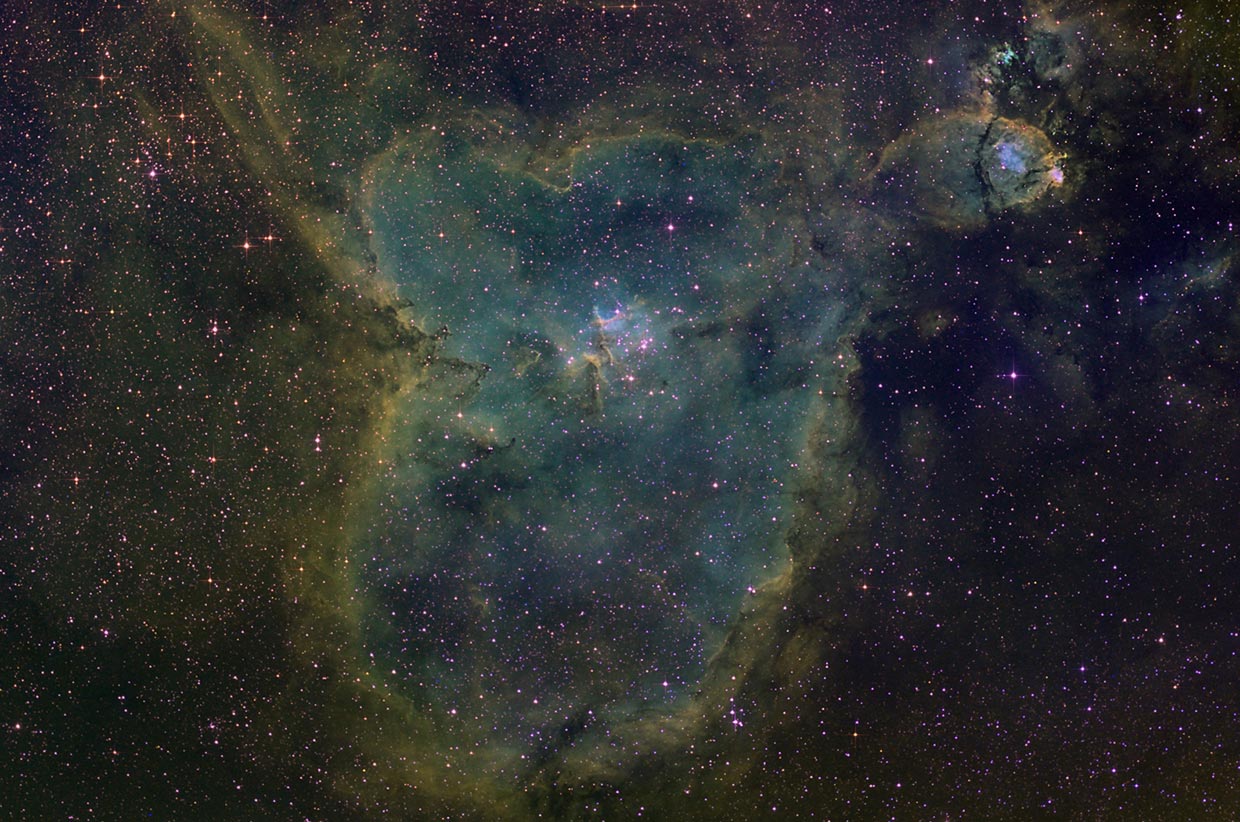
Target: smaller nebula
(958,171)
(1017,164)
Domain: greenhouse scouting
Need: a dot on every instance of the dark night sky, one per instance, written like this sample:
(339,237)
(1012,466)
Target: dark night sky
(572,410)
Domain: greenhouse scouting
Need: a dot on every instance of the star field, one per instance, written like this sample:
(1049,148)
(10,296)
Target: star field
(573,410)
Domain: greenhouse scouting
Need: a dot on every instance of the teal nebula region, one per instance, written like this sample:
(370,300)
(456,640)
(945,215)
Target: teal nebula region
(622,460)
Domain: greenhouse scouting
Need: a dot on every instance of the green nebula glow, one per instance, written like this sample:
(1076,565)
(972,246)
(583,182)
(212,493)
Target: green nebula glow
(494,410)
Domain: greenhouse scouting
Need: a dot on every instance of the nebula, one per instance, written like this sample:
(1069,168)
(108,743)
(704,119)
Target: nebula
(489,410)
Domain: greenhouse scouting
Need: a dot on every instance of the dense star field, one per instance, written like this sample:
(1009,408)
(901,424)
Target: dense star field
(489,409)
